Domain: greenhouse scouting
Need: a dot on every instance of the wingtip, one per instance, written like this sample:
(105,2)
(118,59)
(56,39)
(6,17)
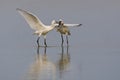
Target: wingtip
(80,24)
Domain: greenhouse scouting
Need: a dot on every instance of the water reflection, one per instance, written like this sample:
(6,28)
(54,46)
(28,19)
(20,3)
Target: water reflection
(42,68)
(64,61)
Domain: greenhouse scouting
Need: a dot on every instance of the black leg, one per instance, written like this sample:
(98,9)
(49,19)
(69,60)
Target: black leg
(45,42)
(38,41)
(62,40)
(67,39)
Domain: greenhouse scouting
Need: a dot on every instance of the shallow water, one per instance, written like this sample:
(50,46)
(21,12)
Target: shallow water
(61,63)
(94,51)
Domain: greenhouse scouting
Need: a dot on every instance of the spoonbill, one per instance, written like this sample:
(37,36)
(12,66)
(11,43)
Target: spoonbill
(37,25)
(63,29)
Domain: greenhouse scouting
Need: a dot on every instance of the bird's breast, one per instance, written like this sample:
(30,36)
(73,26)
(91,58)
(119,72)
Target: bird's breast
(63,31)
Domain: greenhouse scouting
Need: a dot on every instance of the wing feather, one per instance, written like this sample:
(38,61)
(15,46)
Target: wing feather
(72,25)
(31,19)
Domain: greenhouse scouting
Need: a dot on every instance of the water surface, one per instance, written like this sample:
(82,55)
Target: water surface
(60,63)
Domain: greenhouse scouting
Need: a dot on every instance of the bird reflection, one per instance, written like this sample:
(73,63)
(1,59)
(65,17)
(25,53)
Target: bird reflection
(42,68)
(63,63)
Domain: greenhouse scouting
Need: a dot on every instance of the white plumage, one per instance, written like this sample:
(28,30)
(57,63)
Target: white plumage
(37,25)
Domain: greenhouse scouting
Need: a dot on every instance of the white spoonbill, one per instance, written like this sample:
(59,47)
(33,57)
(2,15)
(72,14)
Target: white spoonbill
(37,25)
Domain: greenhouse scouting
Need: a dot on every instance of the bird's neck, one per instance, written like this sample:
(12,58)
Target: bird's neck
(52,27)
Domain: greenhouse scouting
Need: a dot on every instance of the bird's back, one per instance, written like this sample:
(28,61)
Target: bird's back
(64,30)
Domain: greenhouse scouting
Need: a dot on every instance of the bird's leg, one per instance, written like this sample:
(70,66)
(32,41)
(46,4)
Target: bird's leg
(45,41)
(67,40)
(38,41)
(62,40)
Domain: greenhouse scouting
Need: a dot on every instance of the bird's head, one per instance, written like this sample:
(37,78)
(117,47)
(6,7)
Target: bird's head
(61,22)
(54,23)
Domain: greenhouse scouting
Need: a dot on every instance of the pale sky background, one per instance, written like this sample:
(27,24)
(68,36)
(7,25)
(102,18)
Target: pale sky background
(100,19)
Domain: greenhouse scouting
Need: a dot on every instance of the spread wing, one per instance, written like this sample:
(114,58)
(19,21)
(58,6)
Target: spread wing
(72,25)
(31,19)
